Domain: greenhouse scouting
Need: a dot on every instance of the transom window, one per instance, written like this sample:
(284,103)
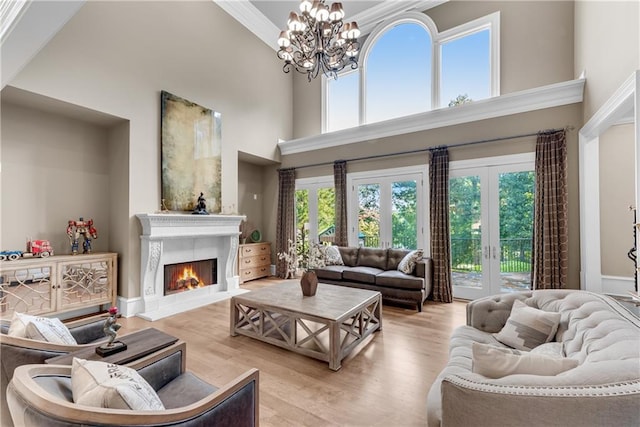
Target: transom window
(408,67)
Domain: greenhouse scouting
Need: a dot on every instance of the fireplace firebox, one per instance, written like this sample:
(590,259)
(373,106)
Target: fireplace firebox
(185,276)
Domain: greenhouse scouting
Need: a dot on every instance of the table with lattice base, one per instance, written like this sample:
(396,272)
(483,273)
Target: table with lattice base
(327,326)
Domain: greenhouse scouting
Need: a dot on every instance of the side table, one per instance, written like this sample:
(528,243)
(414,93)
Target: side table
(139,344)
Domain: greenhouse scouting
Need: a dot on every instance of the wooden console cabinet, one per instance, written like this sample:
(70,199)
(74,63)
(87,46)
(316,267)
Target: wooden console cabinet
(57,284)
(254,261)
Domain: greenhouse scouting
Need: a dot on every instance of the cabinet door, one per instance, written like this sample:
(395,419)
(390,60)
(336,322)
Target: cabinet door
(85,282)
(26,288)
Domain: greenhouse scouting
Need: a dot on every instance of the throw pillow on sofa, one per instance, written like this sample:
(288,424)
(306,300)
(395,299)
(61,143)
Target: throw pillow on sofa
(496,362)
(528,327)
(408,263)
(40,328)
(332,256)
(106,385)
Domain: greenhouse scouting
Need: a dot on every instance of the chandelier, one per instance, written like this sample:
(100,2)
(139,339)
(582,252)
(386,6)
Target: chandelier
(317,40)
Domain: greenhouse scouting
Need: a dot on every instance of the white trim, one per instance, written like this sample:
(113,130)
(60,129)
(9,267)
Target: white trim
(615,109)
(129,307)
(554,95)
(368,19)
(254,20)
(303,183)
(510,159)
(617,285)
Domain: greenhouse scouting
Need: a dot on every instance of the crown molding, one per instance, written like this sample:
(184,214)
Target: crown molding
(554,95)
(251,17)
(255,21)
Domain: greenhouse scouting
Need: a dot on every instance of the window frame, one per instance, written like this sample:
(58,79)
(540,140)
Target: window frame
(489,22)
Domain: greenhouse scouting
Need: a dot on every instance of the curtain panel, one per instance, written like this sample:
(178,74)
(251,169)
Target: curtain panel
(439,226)
(340,184)
(286,225)
(550,228)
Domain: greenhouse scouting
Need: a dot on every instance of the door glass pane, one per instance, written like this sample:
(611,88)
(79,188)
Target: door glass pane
(516,196)
(326,215)
(404,219)
(369,215)
(466,231)
(302,221)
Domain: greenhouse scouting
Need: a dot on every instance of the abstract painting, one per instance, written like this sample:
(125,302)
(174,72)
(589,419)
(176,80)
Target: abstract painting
(191,154)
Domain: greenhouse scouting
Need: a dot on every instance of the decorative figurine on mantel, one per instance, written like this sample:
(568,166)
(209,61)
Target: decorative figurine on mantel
(83,228)
(201,208)
(110,329)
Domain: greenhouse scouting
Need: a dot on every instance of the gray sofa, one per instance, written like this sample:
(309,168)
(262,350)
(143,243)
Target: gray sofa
(377,270)
(604,389)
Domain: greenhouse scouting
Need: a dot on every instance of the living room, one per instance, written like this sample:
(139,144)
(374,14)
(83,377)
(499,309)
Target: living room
(81,121)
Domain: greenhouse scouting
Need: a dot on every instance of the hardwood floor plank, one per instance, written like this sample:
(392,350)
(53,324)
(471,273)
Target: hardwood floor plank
(383,382)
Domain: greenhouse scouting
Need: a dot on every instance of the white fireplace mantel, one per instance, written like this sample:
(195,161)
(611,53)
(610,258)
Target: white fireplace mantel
(175,238)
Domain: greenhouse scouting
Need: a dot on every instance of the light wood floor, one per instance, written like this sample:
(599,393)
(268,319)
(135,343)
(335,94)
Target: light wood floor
(383,383)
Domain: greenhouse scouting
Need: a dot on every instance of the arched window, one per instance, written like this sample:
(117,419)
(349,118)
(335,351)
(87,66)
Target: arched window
(408,67)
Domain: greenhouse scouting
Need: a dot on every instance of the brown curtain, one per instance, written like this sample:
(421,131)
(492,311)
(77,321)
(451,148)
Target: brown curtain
(550,230)
(439,209)
(286,221)
(340,184)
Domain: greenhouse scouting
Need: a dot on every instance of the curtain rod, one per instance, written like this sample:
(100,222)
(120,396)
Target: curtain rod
(422,150)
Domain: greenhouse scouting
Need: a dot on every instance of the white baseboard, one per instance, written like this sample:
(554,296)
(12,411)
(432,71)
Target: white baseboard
(130,306)
(617,285)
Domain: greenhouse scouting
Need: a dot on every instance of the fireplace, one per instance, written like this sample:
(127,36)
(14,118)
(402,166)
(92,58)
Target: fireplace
(185,276)
(179,239)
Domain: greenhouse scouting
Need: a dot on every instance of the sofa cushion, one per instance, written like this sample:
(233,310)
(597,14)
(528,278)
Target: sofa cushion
(394,256)
(408,263)
(349,255)
(370,257)
(106,385)
(528,327)
(397,279)
(331,272)
(50,330)
(361,274)
(332,256)
(496,362)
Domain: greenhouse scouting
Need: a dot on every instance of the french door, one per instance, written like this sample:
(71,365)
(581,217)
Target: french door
(315,211)
(491,225)
(387,209)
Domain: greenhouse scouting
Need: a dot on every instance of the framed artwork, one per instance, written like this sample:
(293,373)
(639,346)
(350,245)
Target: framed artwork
(191,154)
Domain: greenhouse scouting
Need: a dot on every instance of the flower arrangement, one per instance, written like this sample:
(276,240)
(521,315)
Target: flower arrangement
(301,256)
(245,230)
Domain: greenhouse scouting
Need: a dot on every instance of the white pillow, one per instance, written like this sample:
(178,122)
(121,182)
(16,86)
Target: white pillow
(332,256)
(528,327)
(105,385)
(40,328)
(496,362)
(19,322)
(408,263)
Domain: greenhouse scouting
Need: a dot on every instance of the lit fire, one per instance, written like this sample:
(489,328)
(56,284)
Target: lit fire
(189,279)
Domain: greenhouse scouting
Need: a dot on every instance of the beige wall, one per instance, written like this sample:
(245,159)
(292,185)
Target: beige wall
(617,193)
(251,194)
(607,48)
(54,169)
(116,57)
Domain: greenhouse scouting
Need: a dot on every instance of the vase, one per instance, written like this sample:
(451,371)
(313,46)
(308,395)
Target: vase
(309,283)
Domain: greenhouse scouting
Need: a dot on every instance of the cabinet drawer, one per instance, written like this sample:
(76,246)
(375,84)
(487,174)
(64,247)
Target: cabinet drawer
(255,250)
(255,261)
(254,273)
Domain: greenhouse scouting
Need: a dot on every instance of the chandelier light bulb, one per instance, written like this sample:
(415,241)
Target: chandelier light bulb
(314,9)
(322,15)
(305,6)
(354,31)
(283,40)
(336,13)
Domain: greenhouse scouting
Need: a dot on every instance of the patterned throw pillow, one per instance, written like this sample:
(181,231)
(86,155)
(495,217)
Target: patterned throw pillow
(105,385)
(332,256)
(408,263)
(528,327)
(496,362)
(40,328)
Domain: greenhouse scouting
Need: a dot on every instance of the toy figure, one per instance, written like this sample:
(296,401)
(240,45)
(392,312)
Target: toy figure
(201,208)
(82,228)
(111,326)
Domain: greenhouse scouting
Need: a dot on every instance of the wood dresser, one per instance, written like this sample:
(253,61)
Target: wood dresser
(254,261)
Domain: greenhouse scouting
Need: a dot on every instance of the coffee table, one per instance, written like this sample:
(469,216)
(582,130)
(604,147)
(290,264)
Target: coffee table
(139,344)
(327,326)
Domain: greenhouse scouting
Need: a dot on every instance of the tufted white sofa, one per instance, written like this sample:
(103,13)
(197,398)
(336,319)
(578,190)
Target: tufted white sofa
(604,390)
